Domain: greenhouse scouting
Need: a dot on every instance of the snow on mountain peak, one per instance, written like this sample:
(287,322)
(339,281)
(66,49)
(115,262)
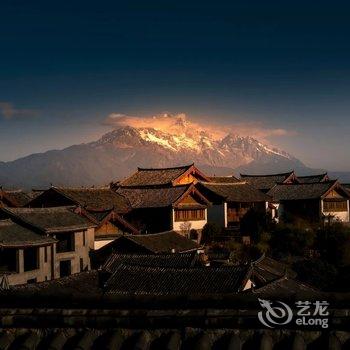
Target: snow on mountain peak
(184,140)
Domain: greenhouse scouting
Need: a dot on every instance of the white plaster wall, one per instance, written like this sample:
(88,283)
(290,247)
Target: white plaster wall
(197,224)
(41,274)
(80,251)
(101,243)
(338,215)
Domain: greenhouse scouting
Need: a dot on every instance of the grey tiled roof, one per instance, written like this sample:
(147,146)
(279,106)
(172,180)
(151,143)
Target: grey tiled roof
(115,218)
(287,287)
(197,338)
(267,269)
(158,260)
(146,197)
(305,191)
(89,198)
(13,235)
(142,280)
(265,182)
(234,192)
(163,242)
(223,179)
(154,176)
(16,198)
(97,198)
(77,285)
(50,220)
(313,178)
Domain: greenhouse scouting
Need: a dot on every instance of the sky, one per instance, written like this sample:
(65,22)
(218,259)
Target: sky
(67,67)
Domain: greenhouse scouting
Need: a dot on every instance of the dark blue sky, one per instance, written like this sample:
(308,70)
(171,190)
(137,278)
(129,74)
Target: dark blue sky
(64,66)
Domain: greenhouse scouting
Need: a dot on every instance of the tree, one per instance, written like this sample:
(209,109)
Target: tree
(334,244)
(210,231)
(316,272)
(186,228)
(291,240)
(253,224)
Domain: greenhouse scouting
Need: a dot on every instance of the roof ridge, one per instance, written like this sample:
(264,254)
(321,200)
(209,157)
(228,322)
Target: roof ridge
(224,183)
(167,168)
(307,183)
(305,176)
(267,175)
(152,187)
(82,188)
(189,268)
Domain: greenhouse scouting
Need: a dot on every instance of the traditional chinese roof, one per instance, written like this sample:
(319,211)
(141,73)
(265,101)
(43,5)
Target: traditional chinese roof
(147,260)
(223,179)
(233,192)
(230,337)
(48,220)
(142,280)
(89,198)
(266,269)
(287,287)
(158,197)
(347,187)
(15,198)
(314,178)
(159,243)
(99,217)
(79,285)
(265,182)
(13,235)
(160,176)
(284,192)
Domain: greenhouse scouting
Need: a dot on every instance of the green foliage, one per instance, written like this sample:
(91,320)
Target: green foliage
(291,240)
(334,244)
(317,273)
(254,223)
(210,231)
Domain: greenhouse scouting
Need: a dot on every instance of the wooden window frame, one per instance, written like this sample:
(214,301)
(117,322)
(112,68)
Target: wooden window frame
(189,215)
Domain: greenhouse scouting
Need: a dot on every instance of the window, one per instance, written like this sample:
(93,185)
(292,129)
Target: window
(81,265)
(65,242)
(45,253)
(8,260)
(84,238)
(31,259)
(189,215)
(65,268)
(330,206)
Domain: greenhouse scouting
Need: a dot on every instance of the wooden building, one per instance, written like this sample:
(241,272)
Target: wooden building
(109,225)
(103,206)
(314,202)
(158,209)
(265,182)
(313,178)
(161,177)
(231,201)
(169,242)
(56,242)
(24,253)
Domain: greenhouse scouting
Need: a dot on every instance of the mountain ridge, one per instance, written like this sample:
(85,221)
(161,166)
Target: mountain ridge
(119,152)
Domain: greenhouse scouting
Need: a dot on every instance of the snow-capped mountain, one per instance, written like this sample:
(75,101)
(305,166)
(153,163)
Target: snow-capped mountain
(231,151)
(119,152)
